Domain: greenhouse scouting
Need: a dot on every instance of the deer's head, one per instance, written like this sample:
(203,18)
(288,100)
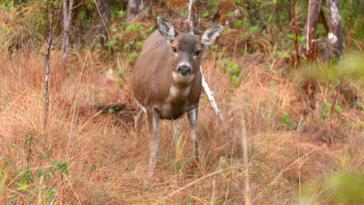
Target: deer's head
(188,49)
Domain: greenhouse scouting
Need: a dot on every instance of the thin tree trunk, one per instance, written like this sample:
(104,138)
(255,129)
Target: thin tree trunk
(105,17)
(309,86)
(67,17)
(335,36)
(312,19)
(293,5)
(191,18)
(244,143)
(134,8)
(48,63)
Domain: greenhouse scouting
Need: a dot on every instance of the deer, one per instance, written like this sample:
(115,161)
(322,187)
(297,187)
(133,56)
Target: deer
(166,80)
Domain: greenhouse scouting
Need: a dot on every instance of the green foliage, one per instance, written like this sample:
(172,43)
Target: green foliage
(310,193)
(128,38)
(282,54)
(205,14)
(234,71)
(342,187)
(120,13)
(134,28)
(61,166)
(212,4)
(184,12)
(233,66)
(26,178)
(287,121)
(235,80)
(7,3)
(346,188)
(351,67)
(21,25)
(326,108)
(254,29)
(83,16)
(132,57)
(3,180)
(51,195)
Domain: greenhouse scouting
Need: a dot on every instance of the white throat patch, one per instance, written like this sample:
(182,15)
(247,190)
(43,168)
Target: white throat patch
(179,79)
(174,91)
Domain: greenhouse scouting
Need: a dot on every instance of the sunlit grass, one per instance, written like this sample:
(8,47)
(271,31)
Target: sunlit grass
(91,158)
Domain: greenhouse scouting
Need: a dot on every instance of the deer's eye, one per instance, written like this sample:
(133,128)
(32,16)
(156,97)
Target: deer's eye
(198,53)
(174,49)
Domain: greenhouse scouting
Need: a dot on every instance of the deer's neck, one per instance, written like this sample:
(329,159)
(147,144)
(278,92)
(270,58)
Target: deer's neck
(180,88)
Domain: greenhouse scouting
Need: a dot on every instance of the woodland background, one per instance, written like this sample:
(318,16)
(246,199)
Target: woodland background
(287,76)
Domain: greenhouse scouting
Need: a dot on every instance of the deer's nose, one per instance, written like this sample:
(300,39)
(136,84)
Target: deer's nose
(184,70)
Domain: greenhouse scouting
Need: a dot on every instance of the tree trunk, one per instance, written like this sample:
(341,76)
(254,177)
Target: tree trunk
(335,36)
(295,29)
(134,8)
(312,19)
(48,63)
(191,18)
(67,17)
(105,17)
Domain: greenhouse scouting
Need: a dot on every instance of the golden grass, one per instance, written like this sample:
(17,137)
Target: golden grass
(85,157)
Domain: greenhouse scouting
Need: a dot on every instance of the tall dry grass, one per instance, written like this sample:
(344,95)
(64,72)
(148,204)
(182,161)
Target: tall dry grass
(86,157)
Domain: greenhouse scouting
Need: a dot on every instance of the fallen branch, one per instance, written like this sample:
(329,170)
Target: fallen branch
(107,108)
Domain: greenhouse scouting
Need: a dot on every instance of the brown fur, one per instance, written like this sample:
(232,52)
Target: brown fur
(152,77)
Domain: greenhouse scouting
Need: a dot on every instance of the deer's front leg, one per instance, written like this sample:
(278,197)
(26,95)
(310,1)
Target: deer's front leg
(153,122)
(192,118)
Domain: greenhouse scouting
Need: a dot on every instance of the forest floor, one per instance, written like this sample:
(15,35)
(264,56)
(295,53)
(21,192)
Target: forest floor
(84,156)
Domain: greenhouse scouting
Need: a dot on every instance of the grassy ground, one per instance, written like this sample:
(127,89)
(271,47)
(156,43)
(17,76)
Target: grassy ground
(86,157)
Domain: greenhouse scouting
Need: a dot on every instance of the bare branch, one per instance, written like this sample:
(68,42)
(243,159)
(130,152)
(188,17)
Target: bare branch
(211,97)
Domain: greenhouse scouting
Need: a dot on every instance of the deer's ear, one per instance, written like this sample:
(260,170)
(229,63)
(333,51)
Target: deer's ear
(210,35)
(166,29)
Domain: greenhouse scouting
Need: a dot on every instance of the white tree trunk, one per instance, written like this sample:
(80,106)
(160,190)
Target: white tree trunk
(335,36)
(134,7)
(67,17)
(48,63)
